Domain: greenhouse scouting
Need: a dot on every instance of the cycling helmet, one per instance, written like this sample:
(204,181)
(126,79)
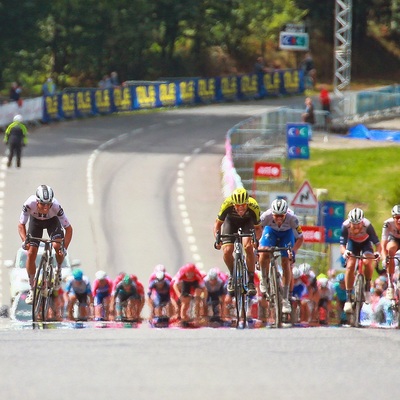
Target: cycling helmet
(77,274)
(279,207)
(190,267)
(127,280)
(296,273)
(240,196)
(323,282)
(17,118)
(396,210)
(44,194)
(340,277)
(305,268)
(356,215)
(160,276)
(159,267)
(100,275)
(212,274)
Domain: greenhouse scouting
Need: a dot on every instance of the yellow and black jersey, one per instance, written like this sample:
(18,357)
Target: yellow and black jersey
(228,210)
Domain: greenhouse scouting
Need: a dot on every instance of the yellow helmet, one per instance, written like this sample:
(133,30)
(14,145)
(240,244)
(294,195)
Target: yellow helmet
(240,196)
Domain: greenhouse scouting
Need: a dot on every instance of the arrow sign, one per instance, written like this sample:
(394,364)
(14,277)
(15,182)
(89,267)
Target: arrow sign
(305,197)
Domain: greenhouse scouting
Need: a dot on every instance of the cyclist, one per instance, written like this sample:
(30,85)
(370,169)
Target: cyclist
(339,294)
(300,294)
(310,280)
(282,229)
(160,268)
(126,292)
(159,295)
(216,291)
(43,211)
(357,236)
(102,289)
(391,244)
(239,211)
(187,284)
(78,289)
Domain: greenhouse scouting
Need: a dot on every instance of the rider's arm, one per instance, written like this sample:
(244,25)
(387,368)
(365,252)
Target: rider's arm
(68,236)
(22,231)
(217,226)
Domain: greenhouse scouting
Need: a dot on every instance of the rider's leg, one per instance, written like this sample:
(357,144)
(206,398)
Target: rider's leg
(31,264)
(185,303)
(228,256)
(250,258)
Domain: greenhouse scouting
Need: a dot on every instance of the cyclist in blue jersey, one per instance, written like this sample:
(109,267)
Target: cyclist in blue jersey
(281,229)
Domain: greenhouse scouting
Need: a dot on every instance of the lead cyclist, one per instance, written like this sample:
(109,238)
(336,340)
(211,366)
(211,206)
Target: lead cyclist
(43,211)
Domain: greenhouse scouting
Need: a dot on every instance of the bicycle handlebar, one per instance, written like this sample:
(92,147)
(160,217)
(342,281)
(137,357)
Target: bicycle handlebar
(235,235)
(30,237)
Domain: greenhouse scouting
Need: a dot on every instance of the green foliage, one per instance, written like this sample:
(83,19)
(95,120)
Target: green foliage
(365,178)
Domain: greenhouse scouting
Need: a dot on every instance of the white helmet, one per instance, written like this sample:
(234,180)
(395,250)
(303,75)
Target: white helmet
(160,275)
(356,215)
(305,268)
(44,194)
(17,118)
(396,210)
(159,267)
(279,207)
(212,274)
(100,275)
(296,273)
(323,282)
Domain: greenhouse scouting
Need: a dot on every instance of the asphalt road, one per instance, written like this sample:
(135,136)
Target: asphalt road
(136,188)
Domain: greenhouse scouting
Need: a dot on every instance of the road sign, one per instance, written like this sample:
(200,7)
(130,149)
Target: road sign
(293,41)
(305,197)
(313,234)
(297,136)
(267,170)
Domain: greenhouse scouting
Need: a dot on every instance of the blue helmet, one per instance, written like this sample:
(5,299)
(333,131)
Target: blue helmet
(77,274)
(340,277)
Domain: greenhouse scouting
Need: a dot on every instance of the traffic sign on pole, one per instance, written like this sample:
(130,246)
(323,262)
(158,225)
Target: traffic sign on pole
(305,197)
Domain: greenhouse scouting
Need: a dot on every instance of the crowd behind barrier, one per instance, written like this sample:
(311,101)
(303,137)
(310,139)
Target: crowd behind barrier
(130,96)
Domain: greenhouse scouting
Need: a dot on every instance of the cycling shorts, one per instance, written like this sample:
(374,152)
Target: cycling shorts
(270,238)
(52,225)
(357,248)
(229,227)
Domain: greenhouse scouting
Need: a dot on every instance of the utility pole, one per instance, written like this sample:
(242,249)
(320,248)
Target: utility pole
(342,65)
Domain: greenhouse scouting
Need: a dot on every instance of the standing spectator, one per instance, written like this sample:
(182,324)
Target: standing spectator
(105,83)
(15,93)
(16,136)
(325,103)
(114,79)
(259,66)
(310,73)
(308,116)
(48,88)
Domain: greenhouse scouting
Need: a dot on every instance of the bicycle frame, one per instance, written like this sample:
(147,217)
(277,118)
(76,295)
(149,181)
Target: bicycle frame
(275,286)
(396,301)
(44,280)
(359,287)
(240,273)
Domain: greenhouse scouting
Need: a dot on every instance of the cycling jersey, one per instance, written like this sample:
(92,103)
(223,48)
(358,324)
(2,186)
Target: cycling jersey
(30,208)
(389,230)
(78,287)
(358,235)
(228,211)
(290,222)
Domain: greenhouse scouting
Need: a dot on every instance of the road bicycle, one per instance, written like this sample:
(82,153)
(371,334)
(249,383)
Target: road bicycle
(358,289)
(240,273)
(274,290)
(45,278)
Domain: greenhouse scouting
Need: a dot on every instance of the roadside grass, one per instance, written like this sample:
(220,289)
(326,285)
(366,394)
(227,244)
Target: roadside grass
(365,178)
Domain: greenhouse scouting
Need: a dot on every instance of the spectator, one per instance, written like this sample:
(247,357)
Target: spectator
(310,73)
(48,88)
(16,136)
(114,79)
(308,116)
(325,104)
(15,93)
(259,66)
(105,83)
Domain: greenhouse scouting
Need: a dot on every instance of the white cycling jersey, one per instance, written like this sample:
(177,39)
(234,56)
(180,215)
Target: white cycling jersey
(29,208)
(290,222)
(389,229)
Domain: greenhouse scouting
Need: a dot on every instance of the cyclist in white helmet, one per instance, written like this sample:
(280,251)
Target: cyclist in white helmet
(390,241)
(357,237)
(281,228)
(43,211)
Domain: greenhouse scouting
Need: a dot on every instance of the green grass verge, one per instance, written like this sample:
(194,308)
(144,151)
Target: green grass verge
(365,178)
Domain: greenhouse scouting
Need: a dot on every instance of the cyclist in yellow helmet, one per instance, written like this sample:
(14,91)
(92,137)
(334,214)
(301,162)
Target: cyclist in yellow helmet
(239,211)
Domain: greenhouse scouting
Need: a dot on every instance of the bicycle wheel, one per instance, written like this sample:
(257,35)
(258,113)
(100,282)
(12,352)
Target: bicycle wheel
(237,289)
(38,305)
(275,296)
(49,288)
(358,298)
